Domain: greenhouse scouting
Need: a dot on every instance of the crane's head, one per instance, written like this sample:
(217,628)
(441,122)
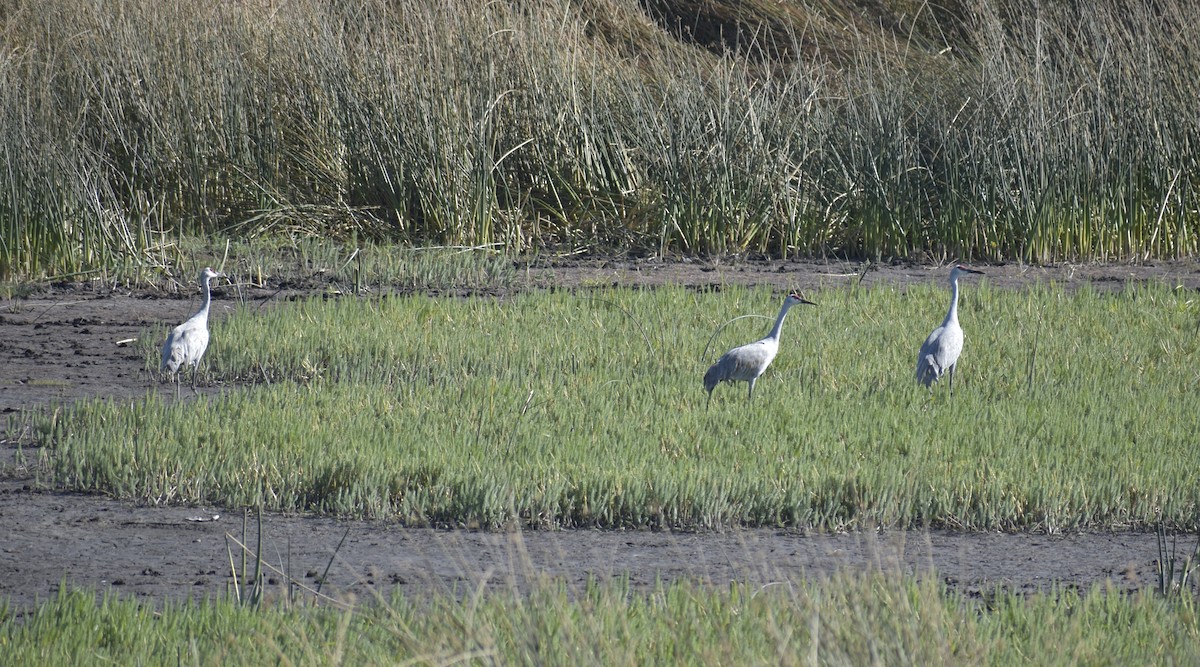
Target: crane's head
(795,298)
(208,274)
(961,268)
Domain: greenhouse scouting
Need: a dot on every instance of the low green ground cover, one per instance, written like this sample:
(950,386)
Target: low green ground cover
(585,408)
(865,619)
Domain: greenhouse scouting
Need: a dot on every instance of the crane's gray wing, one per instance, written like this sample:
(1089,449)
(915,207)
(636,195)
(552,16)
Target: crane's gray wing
(754,359)
(939,353)
(741,364)
(171,354)
(184,347)
(929,365)
(749,361)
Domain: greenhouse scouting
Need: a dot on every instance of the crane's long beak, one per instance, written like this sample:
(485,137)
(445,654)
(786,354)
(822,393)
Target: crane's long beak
(800,299)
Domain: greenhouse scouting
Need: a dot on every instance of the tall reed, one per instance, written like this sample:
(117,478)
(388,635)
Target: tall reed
(1028,131)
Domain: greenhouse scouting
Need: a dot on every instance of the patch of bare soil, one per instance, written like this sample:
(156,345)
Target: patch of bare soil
(66,342)
(807,275)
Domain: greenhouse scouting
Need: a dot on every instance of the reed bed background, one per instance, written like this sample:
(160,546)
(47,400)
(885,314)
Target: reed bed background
(313,265)
(586,409)
(990,130)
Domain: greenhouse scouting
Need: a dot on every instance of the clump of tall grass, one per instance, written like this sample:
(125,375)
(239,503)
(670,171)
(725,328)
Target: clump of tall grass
(1028,131)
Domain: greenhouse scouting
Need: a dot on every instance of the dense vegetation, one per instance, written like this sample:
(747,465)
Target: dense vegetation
(990,130)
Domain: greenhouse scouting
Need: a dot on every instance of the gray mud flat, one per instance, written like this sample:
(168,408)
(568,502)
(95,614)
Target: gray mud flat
(61,345)
(172,553)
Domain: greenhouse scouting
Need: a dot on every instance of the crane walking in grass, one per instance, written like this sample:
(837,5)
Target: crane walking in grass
(745,363)
(940,351)
(187,342)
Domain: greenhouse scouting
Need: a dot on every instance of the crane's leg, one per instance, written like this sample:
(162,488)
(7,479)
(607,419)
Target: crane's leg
(951,372)
(177,387)
(195,372)
(708,403)
(750,395)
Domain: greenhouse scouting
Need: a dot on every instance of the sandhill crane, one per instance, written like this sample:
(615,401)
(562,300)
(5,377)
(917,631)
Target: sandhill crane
(187,342)
(746,362)
(940,351)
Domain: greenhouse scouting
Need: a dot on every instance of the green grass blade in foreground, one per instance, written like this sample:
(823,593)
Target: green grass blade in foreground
(587,409)
(849,619)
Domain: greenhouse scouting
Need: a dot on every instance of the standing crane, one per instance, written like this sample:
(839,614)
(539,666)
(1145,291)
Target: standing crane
(940,351)
(746,362)
(187,342)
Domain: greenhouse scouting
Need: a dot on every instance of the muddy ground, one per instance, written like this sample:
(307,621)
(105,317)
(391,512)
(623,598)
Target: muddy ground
(68,341)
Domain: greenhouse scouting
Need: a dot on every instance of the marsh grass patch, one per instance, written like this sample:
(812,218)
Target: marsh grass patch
(563,409)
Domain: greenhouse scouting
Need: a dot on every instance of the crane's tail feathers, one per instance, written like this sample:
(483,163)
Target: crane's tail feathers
(928,371)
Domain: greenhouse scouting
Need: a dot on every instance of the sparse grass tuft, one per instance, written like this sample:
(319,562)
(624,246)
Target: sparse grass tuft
(1175,572)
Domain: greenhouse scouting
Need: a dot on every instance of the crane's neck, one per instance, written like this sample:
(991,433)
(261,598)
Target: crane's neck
(952,314)
(774,335)
(203,312)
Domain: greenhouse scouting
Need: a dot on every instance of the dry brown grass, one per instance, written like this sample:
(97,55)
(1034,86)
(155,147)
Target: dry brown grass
(996,130)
